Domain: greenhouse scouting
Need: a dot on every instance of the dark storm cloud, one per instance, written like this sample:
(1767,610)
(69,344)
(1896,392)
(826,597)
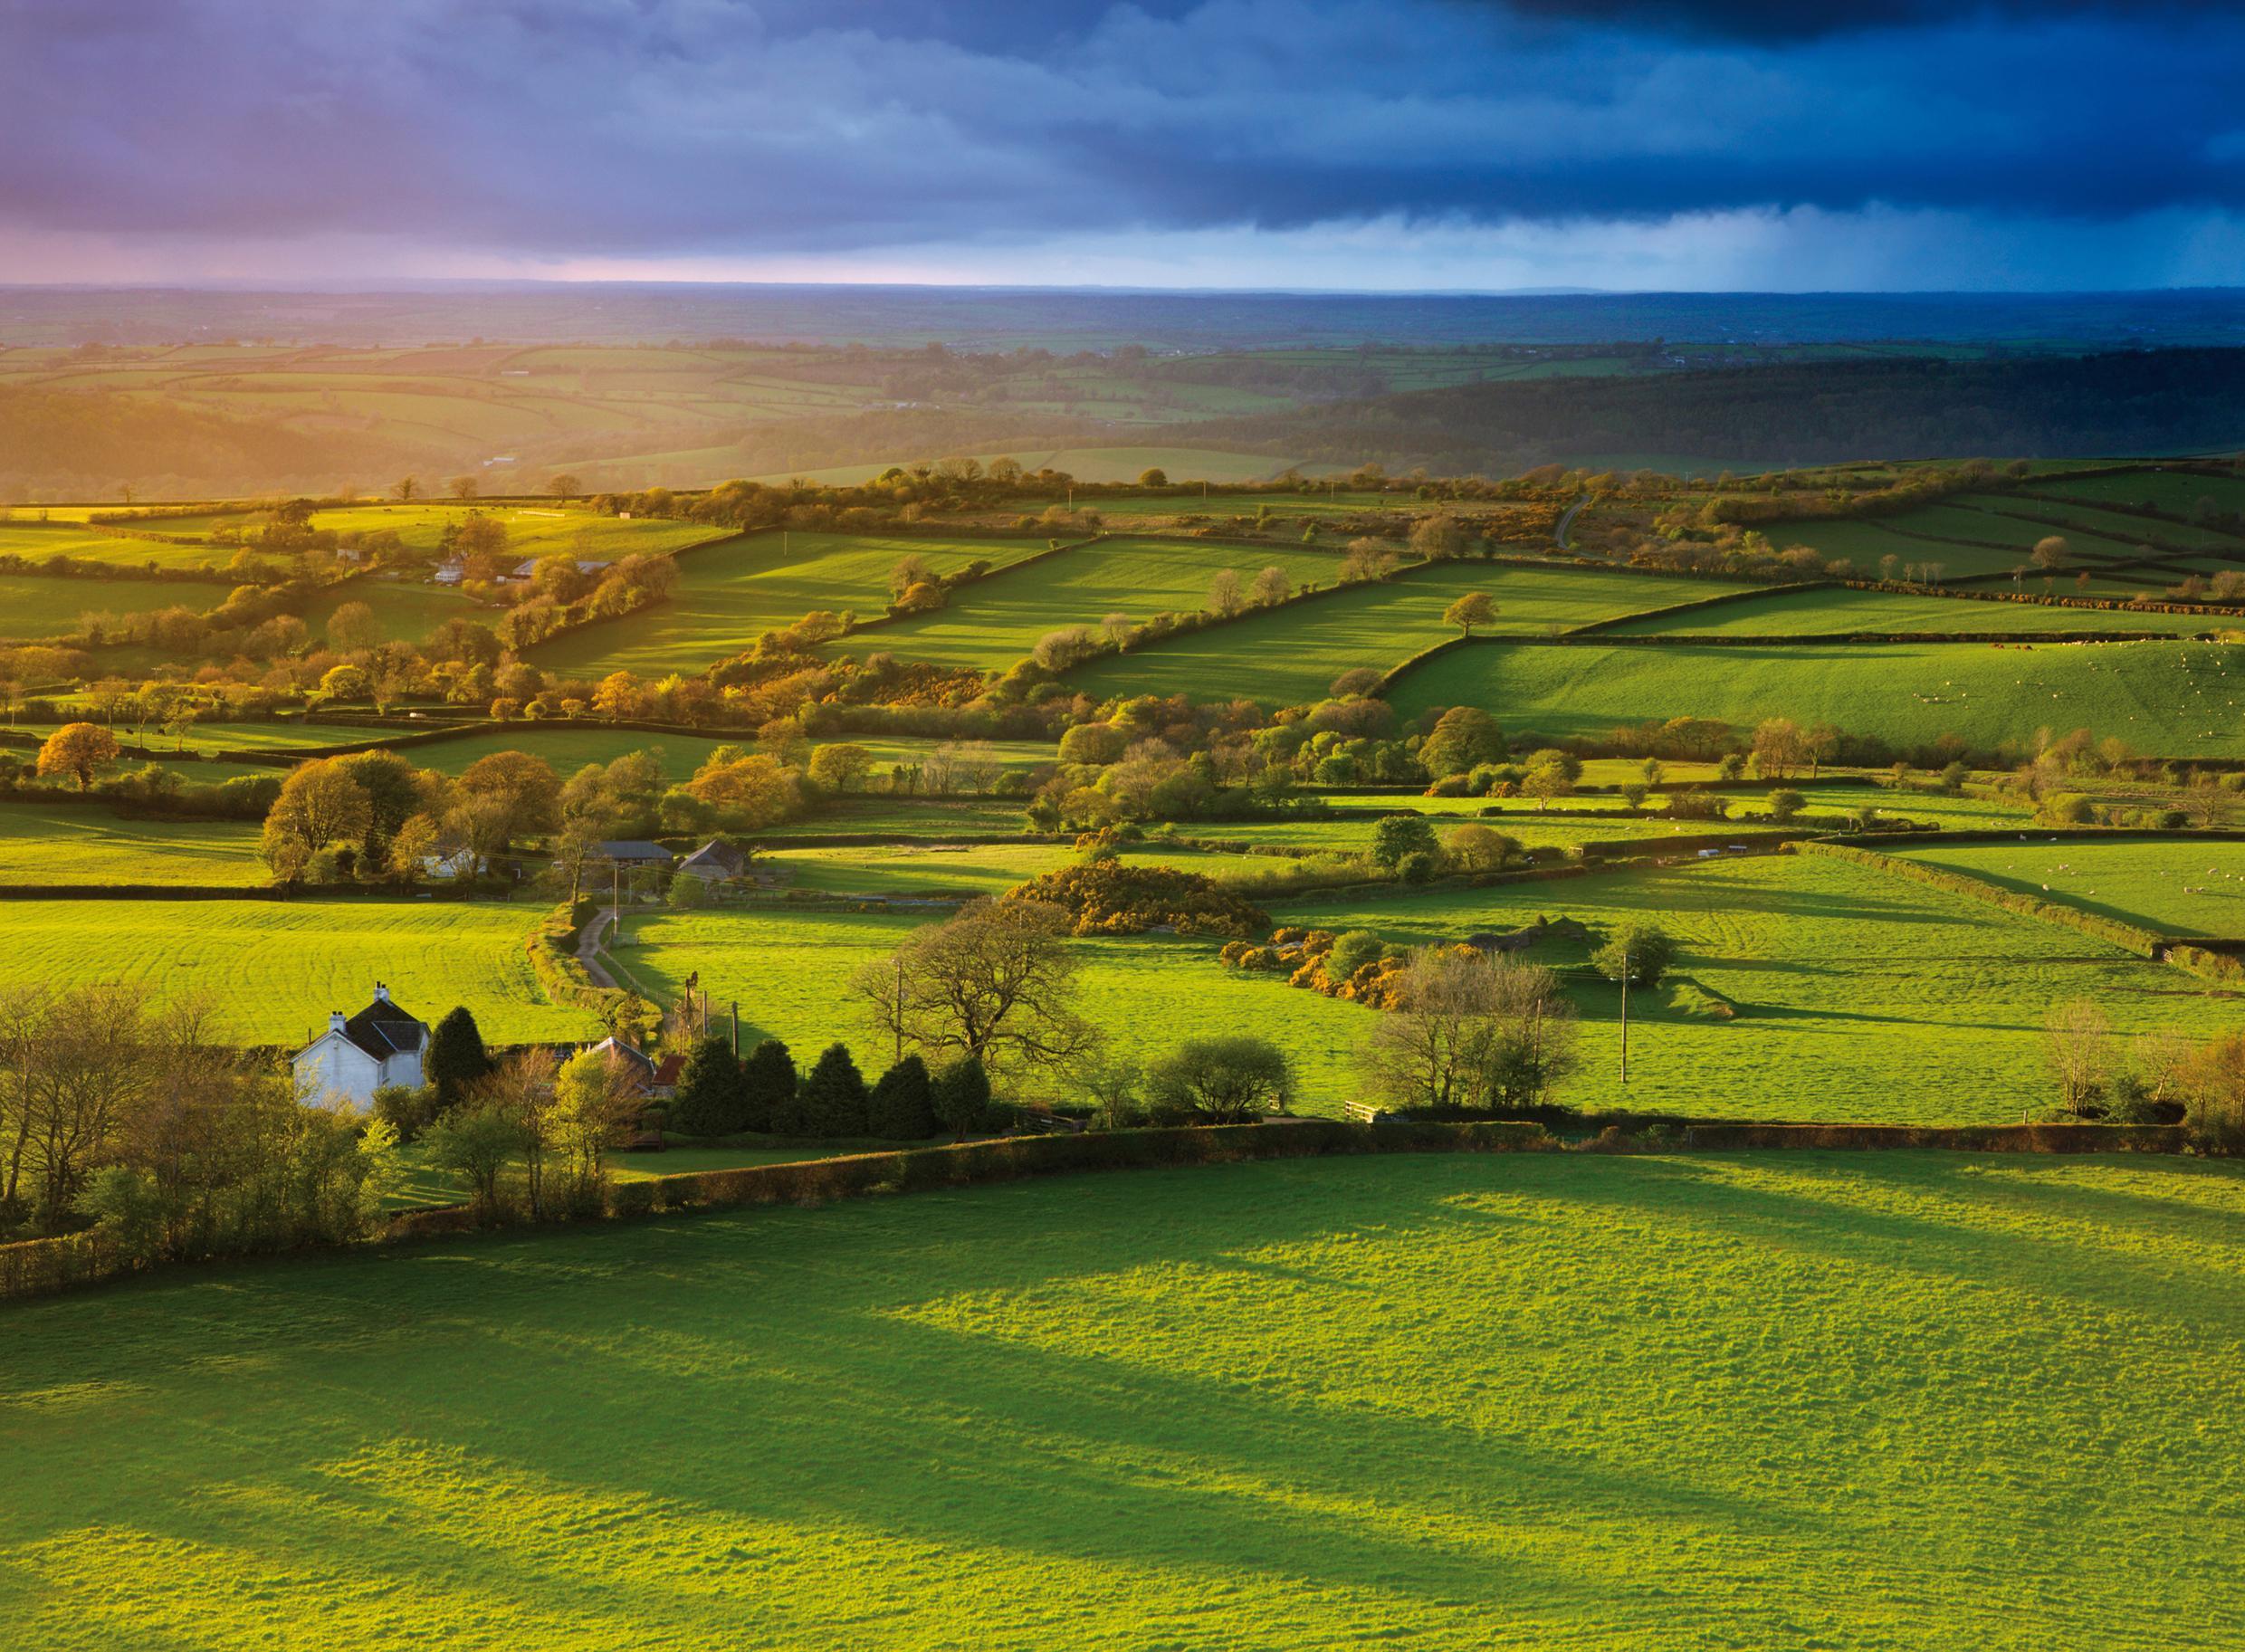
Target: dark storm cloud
(677,127)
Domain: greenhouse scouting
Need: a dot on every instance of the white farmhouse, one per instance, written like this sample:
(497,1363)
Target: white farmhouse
(359,1055)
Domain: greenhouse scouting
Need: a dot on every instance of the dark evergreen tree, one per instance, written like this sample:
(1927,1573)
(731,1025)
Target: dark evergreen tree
(963,1096)
(768,1090)
(832,1099)
(712,1099)
(901,1107)
(455,1058)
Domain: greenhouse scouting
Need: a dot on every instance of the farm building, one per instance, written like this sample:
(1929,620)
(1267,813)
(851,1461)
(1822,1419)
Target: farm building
(717,863)
(451,571)
(635,852)
(359,1055)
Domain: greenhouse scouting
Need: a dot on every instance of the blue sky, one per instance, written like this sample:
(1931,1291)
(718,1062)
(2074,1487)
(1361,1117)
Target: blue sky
(1386,144)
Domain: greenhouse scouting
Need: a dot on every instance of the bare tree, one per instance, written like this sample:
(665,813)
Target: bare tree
(997,981)
(2081,1052)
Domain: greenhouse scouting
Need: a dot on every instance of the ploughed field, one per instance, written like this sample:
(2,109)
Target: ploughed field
(1516,1401)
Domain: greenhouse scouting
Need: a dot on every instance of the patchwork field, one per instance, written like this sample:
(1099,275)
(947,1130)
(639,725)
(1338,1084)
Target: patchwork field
(34,608)
(84,843)
(1290,655)
(2173,699)
(36,544)
(2169,491)
(996,622)
(730,593)
(273,970)
(1836,611)
(533,530)
(1339,1402)
(1856,995)
(2175,886)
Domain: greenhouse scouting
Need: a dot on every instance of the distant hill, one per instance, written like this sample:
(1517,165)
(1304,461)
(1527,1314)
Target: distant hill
(1793,413)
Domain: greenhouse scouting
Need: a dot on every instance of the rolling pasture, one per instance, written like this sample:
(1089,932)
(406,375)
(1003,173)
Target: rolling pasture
(1837,611)
(730,593)
(1858,996)
(37,543)
(533,530)
(273,970)
(2175,886)
(34,607)
(1142,990)
(2177,699)
(1426,1401)
(86,843)
(1289,655)
(995,622)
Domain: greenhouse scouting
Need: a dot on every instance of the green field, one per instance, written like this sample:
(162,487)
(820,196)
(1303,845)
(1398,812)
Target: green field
(1841,610)
(2174,885)
(36,544)
(2175,494)
(1291,655)
(730,593)
(1340,501)
(33,606)
(82,843)
(1149,992)
(1521,1401)
(1859,995)
(273,970)
(992,623)
(407,611)
(2171,699)
(532,530)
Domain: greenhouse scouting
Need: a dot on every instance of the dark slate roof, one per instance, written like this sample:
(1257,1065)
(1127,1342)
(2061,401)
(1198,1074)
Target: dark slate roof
(635,849)
(616,1050)
(382,1030)
(714,855)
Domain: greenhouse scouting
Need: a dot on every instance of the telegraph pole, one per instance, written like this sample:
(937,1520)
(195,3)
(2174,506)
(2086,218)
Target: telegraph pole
(1625,1013)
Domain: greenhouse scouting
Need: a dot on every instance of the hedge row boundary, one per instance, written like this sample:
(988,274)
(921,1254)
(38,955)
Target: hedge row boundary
(2129,937)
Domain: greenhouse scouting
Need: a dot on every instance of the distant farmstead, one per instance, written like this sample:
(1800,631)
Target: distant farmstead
(357,1054)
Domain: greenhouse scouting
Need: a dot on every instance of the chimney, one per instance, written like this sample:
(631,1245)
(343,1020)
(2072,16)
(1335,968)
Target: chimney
(335,1020)
(381,993)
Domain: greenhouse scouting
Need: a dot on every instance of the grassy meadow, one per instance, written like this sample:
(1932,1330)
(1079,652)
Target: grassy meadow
(1519,1400)
(2176,699)
(991,624)
(86,843)
(1290,655)
(34,607)
(273,970)
(2173,885)
(1839,611)
(533,530)
(1855,995)
(730,593)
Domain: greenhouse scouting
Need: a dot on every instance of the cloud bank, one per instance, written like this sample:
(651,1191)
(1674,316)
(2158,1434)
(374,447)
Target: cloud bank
(1381,143)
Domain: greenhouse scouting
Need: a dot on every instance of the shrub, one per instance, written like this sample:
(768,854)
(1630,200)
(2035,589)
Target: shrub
(407,1110)
(1422,867)
(901,1107)
(1648,950)
(1396,837)
(1785,803)
(1110,898)
(1351,951)
(963,1096)
(767,1087)
(832,1099)
(1223,1081)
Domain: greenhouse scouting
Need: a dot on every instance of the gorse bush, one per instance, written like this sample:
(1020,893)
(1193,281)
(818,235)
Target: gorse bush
(1109,898)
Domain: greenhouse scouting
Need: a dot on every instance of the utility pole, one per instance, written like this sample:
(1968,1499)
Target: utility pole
(1625,1014)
